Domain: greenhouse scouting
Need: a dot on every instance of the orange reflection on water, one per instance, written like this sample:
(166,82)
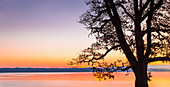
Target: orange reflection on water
(48,76)
(160,79)
(79,79)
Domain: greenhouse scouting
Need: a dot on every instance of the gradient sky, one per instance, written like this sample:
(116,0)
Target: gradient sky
(42,33)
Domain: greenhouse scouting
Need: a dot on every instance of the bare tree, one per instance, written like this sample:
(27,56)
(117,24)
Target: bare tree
(138,28)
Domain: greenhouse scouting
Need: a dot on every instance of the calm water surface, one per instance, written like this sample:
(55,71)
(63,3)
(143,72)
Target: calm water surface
(77,79)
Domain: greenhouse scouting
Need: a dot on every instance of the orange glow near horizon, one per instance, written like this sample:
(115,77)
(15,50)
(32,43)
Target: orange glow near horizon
(39,33)
(39,60)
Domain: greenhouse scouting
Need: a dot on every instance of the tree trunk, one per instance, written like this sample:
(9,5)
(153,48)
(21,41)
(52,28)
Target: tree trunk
(141,76)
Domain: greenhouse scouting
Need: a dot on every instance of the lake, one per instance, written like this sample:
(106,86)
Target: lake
(77,79)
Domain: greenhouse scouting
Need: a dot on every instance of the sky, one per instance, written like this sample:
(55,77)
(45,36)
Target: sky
(42,33)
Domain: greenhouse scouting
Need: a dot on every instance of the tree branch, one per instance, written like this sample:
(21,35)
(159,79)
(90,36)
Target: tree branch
(158,59)
(117,23)
(140,4)
(102,56)
(145,5)
(99,14)
(148,50)
(127,68)
(102,26)
(154,30)
(136,8)
(156,7)
(127,12)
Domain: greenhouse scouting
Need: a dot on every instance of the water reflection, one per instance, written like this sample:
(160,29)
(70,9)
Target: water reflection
(159,79)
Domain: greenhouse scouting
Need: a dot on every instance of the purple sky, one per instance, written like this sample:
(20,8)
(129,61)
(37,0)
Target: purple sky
(35,30)
(42,33)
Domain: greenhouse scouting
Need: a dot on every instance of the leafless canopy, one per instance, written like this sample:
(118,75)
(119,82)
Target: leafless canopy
(138,28)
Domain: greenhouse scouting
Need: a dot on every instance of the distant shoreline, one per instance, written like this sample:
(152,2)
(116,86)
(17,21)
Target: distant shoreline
(2,70)
(17,70)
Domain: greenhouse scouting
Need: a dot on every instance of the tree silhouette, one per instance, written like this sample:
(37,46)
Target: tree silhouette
(138,28)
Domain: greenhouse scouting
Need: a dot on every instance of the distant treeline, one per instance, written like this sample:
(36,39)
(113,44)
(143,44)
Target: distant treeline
(65,70)
(45,70)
